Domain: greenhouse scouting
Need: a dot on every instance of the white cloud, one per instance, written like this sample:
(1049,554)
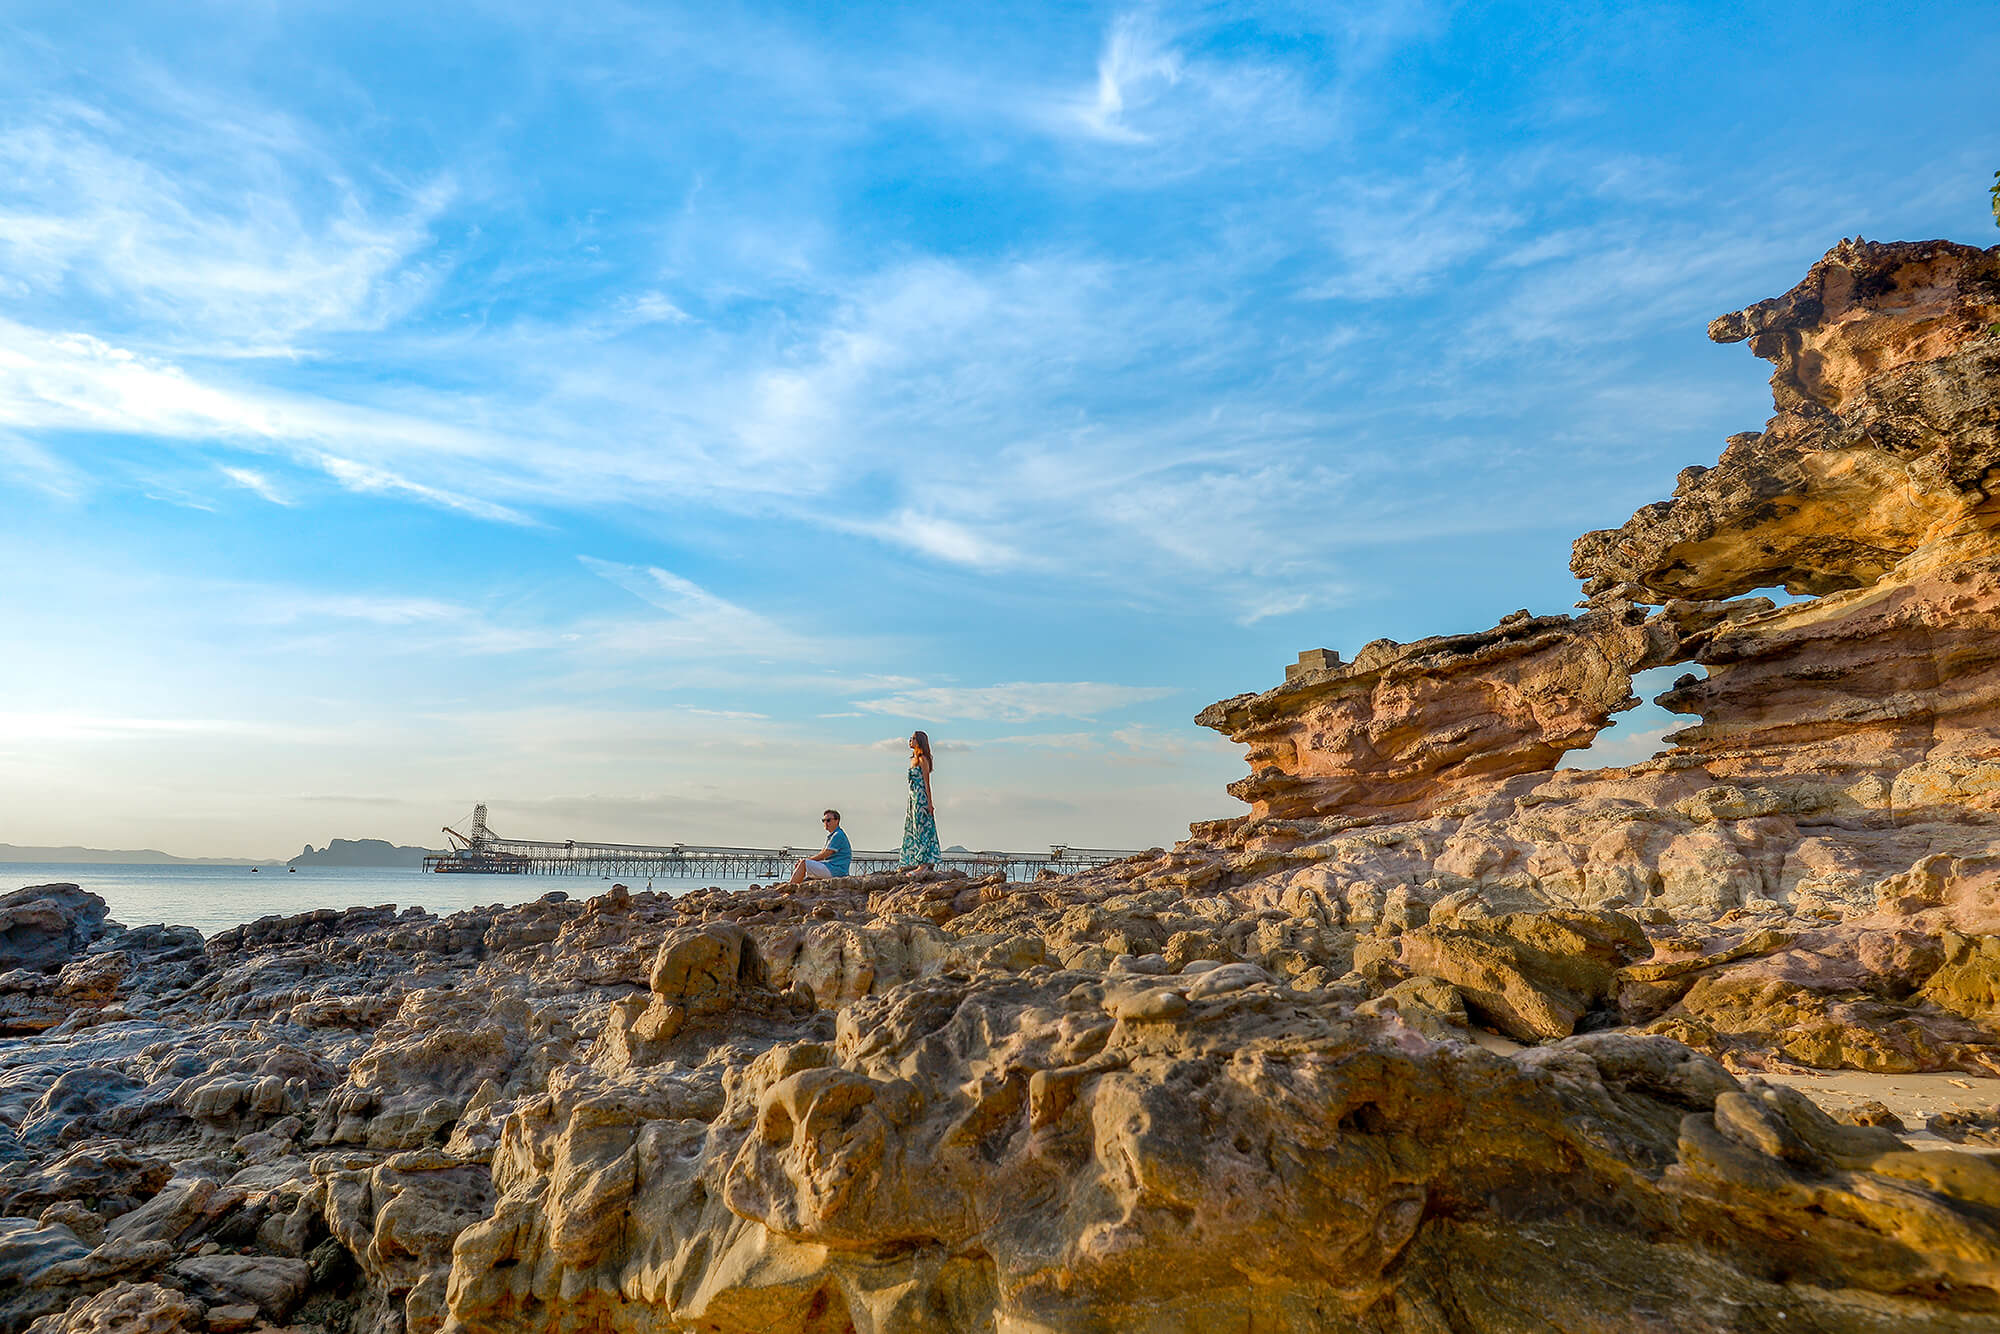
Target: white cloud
(252,480)
(945,540)
(696,619)
(77,382)
(250,241)
(1016,701)
(1398,235)
(19,728)
(1165,103)
(1160,420)
(1263,604)
(915,375)
(654,308)
(292,606)
(41,469)
(1134,67)
(899,744)
(368,479)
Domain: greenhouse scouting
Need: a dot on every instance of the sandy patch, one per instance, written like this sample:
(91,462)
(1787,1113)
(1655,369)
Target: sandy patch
(1914,1098)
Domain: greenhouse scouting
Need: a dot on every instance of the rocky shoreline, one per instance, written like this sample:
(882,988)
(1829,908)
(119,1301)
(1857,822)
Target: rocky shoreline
(1437,1038)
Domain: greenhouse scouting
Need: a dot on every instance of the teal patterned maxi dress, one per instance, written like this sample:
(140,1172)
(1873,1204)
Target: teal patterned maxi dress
(920,840)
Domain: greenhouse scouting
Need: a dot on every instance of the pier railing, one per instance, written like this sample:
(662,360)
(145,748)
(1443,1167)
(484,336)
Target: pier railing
(513,856)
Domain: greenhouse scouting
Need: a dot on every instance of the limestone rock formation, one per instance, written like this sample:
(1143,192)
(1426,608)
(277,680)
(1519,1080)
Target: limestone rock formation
(1873,488)
(42,926)
(1060,1150)
(1886,430)
(1531,975)
(129,1308)
(1406,727)
(1239,1083)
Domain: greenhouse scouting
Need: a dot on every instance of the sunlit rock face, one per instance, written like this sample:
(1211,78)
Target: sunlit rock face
(1405,728)
(1874,487)
(1885,433)
(1066,1150)
(1226,1085)
(1837,786)
(1237,1084)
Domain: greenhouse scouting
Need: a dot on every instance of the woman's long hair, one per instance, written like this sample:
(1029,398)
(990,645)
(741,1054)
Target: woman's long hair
(922,741)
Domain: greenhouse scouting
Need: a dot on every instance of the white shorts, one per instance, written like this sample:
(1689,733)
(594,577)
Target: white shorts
(817,870)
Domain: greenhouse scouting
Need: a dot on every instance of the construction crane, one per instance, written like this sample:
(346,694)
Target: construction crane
(475,851)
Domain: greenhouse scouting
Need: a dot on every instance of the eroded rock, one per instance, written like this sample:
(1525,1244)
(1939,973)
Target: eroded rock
(43,926)
(1232,1084)
(1532,975)
(128,1308)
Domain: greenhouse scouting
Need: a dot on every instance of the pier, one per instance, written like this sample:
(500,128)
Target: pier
(480,851)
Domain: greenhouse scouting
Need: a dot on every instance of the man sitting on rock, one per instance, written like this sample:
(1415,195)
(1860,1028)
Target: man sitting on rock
(830,860)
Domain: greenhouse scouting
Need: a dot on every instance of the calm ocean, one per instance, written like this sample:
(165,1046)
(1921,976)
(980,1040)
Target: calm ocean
(214,898)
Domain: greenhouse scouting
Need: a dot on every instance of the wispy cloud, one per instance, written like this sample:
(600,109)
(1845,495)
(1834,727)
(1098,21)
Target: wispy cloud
(40,727)
(1399,234)
(291,606)
(57,383)
(1136,66)
(948,540)
(652,308)
(997,415)
(1171,98)
(1016,701)
(1035,334)
(896,745)
(368,479)
(695,618)
(252,480)
(1617,749)
(34,464)
(251,240)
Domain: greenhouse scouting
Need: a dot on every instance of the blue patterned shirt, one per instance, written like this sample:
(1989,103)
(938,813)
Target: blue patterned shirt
(843,852)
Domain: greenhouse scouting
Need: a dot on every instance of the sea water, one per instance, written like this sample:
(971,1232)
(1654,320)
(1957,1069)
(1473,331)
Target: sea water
(215,898)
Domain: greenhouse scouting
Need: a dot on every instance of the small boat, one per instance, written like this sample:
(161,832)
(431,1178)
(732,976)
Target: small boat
(255,869)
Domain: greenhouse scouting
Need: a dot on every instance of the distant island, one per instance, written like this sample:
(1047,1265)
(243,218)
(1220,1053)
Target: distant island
(10,853)
(361,852)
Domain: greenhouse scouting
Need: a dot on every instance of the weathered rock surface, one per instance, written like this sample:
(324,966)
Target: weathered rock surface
(272,1284)
(1873,488)
(1236,1084)
(1531,975)
(1886,430)
(43,926)
(129,1308)
(1039,1152)
(1408,726)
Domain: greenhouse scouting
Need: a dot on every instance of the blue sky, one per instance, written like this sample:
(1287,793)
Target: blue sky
(639,418)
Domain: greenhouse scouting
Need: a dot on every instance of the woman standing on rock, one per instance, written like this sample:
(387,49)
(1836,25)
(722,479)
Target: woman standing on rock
(920,836)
